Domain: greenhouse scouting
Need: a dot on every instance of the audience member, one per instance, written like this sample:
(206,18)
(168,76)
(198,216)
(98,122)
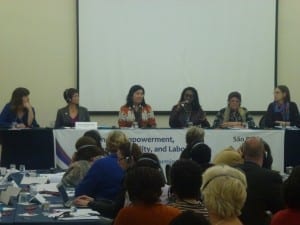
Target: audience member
(224,192)
(68,115)
(233,115)
(186,181)
(86,153)
(264,185)
(95,135)
(291,194)
(104,179)
(136,110)
(190,218)
(144,187)
(127,154)
(195,148)
(188,111)
(268,158)
(229,156)
(18,113)
(282,111)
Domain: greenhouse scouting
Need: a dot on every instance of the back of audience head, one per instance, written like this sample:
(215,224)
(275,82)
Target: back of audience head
(224,191)
(114,140)
(144,185)
(291,189)
(228,156)
(253,150)
(194,135)
(150,160)
(186,179)
(128,154)
(95,135)
(200,153)
(189,218)
(268,158)
(87,149)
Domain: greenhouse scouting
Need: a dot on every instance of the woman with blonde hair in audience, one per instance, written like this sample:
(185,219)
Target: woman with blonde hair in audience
(224,193)
(228,156)
(104,179)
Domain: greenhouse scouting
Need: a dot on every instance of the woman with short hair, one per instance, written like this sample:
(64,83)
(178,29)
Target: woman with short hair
(72,112)
(234,115)
(224,193)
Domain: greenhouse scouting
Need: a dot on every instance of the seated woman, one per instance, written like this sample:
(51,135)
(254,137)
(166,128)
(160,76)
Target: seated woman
(224,192)
(196,149)
(282,111)
(104,178)
(188,111)
(186,181)
(94,134)
(233,115)
(228,156)
(18,113)
(68,115)
(144,187)
(86,153)
(136,110)
(127,154)
(291,194)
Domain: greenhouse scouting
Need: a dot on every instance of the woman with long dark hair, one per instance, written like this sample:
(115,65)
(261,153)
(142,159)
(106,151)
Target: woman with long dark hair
(136,111)
(18,113)
(188,111)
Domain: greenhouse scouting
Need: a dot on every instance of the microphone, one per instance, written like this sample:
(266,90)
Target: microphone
(184,103)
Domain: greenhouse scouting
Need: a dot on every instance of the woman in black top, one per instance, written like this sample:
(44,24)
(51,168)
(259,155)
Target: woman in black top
(188,111)
(282,111)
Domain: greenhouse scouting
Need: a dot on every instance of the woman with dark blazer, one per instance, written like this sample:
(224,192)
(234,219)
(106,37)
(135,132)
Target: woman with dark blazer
(68,115)
(282,111)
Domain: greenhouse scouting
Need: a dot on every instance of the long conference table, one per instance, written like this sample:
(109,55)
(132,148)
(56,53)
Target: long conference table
(49,148)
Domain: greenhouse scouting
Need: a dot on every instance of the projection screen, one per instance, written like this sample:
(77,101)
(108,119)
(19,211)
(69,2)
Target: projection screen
(216,46)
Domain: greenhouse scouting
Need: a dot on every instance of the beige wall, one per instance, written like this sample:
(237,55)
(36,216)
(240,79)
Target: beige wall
(38,51)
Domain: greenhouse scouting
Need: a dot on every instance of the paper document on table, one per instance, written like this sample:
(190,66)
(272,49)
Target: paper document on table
(47,187)
(54,177)
(34,180)
(80,214)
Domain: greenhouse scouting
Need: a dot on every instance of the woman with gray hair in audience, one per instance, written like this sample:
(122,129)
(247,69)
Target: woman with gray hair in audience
(224,192)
